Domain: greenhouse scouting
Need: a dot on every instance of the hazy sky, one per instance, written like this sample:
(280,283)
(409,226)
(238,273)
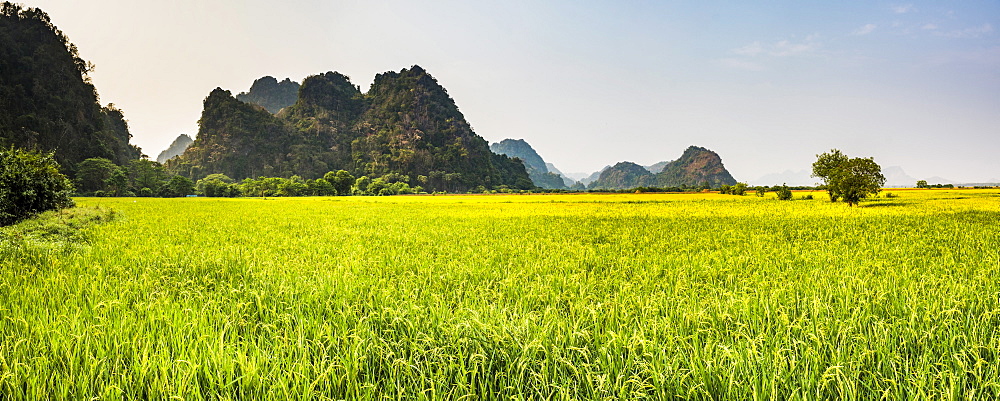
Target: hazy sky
(767,86)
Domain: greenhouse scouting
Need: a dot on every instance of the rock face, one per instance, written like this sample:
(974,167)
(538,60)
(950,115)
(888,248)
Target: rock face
(46,99)
(176,148)
(696,167)
(270,94)
(406,124)
(538,169)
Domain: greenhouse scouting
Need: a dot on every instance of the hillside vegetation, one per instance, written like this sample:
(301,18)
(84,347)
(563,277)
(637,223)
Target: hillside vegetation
(406,124)
(697,167)
(538,170)
(46,99)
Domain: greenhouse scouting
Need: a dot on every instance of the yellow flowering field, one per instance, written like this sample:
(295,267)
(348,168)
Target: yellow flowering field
(592,296)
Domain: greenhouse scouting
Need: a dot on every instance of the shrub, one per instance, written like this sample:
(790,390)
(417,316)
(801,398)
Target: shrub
(30,183)
(784,193)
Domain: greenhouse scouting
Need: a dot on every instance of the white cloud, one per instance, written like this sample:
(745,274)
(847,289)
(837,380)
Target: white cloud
(865,30)
(785,48)
(967,33)
(903,9)
(781,48)
(752,49)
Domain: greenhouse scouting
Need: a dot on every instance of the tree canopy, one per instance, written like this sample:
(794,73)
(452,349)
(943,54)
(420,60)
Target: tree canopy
(850,179)
(30,183)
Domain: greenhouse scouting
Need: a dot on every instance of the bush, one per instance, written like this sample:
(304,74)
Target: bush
(784,193)
(30,183)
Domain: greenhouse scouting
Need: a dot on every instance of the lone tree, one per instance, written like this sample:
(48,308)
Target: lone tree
(30,183)
(850,179)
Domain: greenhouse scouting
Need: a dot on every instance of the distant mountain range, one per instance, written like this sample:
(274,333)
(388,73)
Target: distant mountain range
(696,167)
(406,126)
(895,177)
(537,168)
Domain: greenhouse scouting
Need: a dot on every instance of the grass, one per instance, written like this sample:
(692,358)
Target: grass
(617,296)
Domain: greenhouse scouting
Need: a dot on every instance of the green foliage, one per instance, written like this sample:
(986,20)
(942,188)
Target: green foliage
(539,173)
(922,184)
(178,186)
(697,167)
(30,183)
(406,125)
(850,179)
(93,174)
(739,189)
(783,192)
(46,99)
(760,191)
(217,185)
(341,180)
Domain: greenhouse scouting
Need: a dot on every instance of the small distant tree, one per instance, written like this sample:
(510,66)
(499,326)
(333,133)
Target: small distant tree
(783,192)
(761,191)
(851,179)
(922,184)
(739,189)
(30,183)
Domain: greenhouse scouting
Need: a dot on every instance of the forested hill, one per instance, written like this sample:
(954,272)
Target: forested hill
(176,148)
(696,167)
(270,94)
(46,99)
(405,126)
(538,170)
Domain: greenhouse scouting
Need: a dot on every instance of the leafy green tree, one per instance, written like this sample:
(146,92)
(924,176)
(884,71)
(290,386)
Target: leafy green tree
(361,184)
(341,180)
(826,167)
(30,183)
(92,174)
(145,173)
(216,185)
(178,186)
(761,191)
(851,179)
(321,187)
(922,184)
(739,189)
(860,178)
(117,183)
(293,186)
(783,192)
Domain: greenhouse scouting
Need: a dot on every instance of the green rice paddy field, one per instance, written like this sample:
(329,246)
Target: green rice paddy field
(676,296)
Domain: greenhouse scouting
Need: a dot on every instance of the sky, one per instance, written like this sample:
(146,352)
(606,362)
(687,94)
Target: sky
(768,85)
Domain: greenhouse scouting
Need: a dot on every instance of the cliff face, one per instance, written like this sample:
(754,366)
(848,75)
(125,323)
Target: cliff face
(46,98)
(537,168)
(406,124)
(270,94)
(697,166)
